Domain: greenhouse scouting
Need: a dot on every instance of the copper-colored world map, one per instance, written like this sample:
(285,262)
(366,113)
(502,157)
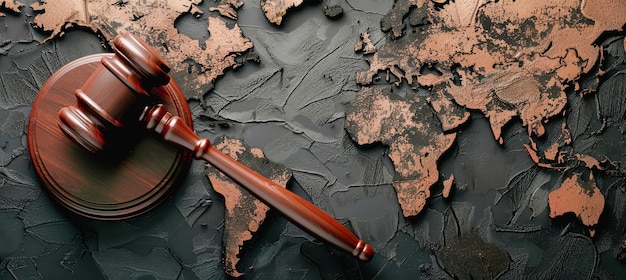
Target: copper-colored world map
(507,60)
(195,65)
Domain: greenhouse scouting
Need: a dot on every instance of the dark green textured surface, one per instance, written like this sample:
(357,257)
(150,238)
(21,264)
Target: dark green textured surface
(292,105)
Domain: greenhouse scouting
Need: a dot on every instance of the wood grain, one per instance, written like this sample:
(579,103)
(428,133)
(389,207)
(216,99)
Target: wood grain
(118,184)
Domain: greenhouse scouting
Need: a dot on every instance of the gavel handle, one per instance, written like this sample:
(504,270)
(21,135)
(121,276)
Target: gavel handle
(295,208)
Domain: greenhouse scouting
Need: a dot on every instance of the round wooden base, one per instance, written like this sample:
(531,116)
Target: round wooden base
(118,184)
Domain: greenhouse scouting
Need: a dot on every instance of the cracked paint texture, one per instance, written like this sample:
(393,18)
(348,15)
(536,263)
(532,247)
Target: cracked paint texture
(508,60)
(244,213)
(294,105)
(275,9)
(195,65)
(502,76)
(365,45)
(578,196)
(414,135)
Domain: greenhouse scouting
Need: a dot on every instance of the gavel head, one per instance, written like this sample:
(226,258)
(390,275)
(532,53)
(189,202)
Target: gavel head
(103,102)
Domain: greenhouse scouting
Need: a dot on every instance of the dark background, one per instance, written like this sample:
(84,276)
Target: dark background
(311,58)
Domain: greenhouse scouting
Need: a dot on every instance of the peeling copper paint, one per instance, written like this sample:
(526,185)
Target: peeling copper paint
(194,67)
(506,59)
(532,152)
(560,156)
(589,161)
(228,8)
(11,5)
(506,94)
(551,153)
(479,37)
(275,10)
(414,135)
(58,16)
(578,196)
(450,114)
(447,186)
(244,213)
(195,10)
(365,44)
(550,256)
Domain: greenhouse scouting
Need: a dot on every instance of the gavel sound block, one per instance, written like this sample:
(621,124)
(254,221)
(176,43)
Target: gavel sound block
(110,136)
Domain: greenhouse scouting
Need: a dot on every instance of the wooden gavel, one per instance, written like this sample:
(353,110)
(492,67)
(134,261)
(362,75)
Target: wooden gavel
(104,109)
